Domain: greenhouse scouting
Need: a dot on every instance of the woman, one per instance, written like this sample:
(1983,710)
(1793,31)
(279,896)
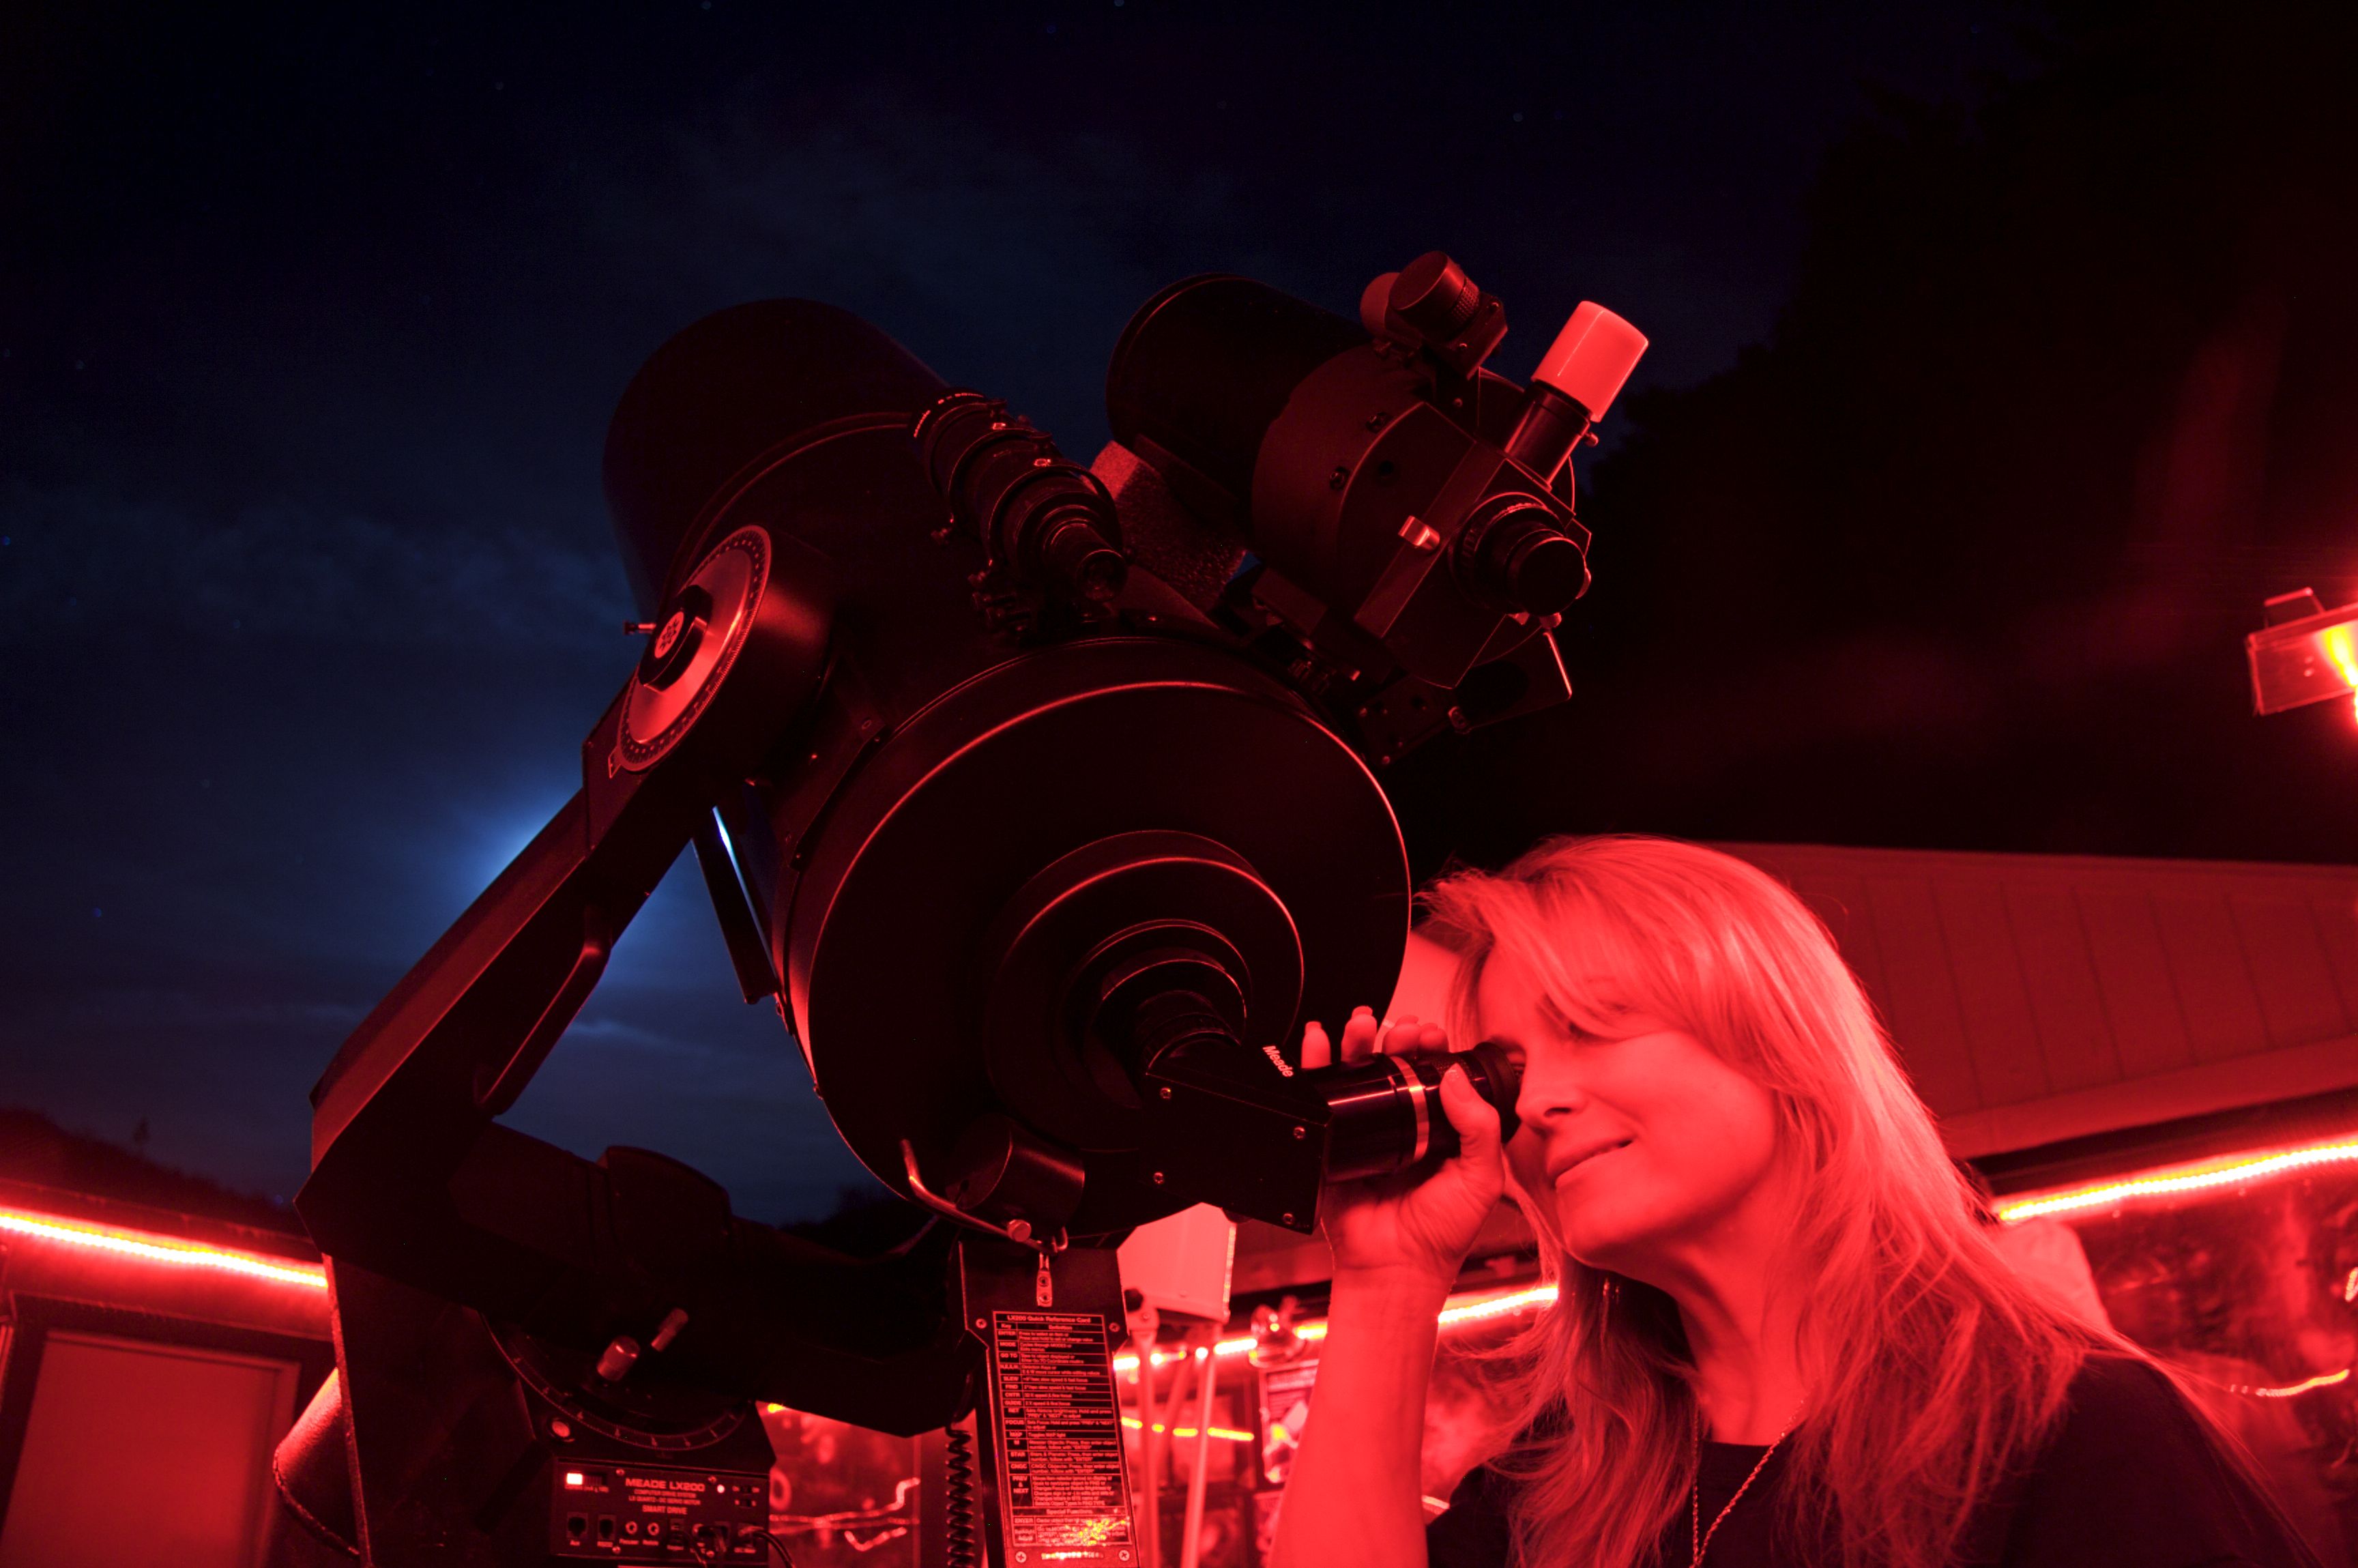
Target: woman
(1782,1336)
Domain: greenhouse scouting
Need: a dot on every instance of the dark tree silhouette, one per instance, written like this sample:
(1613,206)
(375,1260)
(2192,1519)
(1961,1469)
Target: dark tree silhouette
(1963,554)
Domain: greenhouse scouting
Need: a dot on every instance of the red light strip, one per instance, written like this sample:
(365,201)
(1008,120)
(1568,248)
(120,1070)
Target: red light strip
(1224,1434)
(159,1250)
(2322,1380)
(2234,1171)
(1472,1307)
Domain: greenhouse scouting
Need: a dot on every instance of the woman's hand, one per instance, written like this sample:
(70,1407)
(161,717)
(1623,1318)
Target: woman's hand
(1416,1223)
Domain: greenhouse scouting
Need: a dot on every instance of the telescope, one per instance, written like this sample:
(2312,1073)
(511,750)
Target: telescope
(1046,801)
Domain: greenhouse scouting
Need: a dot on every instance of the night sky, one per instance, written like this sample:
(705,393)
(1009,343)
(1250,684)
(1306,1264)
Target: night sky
(311,319)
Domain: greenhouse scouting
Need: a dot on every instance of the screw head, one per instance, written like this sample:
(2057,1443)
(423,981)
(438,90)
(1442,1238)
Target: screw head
(1300,1133)
(1286,1217)
(1158,1178)
(1166,1092)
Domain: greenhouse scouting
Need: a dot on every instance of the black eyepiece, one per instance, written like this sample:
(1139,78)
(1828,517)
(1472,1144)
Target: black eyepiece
(1047,521)
(1385,1114)
(1512,554)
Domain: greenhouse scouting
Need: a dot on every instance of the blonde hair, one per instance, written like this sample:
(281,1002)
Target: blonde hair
(1932,1368)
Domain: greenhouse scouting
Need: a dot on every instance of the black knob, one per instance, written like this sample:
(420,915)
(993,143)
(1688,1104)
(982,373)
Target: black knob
(1434,295)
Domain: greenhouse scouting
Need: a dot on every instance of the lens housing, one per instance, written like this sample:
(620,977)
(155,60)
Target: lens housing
(1513,555)
(1385,1114)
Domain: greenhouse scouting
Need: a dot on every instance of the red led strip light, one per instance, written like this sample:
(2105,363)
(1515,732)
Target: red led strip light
(2233,1170)
(159,1249)
(2307,1385)
(1473,1307)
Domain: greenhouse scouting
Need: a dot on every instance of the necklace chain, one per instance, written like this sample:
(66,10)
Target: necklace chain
(1700,1536)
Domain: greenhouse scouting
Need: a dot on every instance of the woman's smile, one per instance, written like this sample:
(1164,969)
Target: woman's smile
(1562,1169)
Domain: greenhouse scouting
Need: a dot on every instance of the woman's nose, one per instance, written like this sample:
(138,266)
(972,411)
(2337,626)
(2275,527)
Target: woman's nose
(1549,1090)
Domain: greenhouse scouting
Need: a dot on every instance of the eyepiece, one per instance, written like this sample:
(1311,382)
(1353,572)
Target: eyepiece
(1385,1114)
(1513,555)
(1044,518)
(1073,554)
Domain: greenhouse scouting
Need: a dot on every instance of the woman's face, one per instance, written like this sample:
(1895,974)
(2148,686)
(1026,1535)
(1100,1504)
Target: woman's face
(1657,1152)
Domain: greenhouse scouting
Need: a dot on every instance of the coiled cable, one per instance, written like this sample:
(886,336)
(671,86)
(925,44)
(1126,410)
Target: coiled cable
(958,1498)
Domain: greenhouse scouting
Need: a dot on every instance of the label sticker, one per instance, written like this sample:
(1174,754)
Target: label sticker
(1062,1496)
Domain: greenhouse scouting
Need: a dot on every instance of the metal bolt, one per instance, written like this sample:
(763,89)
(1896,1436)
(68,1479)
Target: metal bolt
(1286,1217)
(1158,1178)
(1300,1133)
(1340,477)
(1376,420)
(1166,1094)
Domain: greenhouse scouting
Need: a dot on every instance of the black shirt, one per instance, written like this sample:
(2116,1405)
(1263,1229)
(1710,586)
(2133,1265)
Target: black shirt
(2128,1479)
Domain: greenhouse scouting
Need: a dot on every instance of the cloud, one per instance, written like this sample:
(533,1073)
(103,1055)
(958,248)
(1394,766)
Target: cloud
(155,1010)
(83,561)
(988,261)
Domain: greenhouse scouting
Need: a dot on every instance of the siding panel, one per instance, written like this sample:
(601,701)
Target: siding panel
(2133,968)
(2074,1033)
(2293,978)
(2337,927)
(1999,1027)
(1922,995)
(2206,955)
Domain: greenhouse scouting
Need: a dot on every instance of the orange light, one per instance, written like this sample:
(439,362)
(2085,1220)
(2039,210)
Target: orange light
(2235,1169)
(162,1249)
(2336,642)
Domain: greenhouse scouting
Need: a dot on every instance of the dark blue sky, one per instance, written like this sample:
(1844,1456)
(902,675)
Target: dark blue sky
(312,318)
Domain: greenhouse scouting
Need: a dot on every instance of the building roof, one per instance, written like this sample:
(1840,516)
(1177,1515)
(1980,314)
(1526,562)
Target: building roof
(2042,998)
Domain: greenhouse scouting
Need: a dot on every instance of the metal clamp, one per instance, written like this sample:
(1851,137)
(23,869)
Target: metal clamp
(1018,1231)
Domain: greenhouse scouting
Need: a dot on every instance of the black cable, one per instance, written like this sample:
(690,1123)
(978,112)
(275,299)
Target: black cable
(775,1545)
